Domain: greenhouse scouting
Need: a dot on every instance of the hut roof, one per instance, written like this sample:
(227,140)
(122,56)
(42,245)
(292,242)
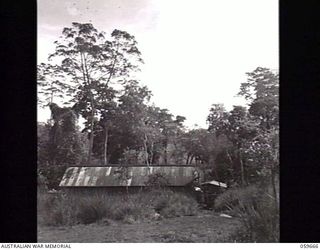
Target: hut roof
(215,183)
(121,176)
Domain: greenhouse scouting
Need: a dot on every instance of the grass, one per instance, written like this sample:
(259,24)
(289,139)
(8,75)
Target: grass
(258,211)
(206,226)
(231,199)
(85,208)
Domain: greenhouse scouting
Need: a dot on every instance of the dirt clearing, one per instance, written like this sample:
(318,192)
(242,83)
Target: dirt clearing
(207,226)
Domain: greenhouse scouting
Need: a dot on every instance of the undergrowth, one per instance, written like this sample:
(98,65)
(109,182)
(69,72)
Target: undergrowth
(258,211)
(85,208)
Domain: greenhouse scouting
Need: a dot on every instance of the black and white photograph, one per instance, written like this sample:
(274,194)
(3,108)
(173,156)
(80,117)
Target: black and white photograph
(158,121)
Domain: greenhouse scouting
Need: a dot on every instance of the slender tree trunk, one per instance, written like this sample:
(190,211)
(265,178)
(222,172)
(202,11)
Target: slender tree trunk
(166,152)
(191,159)
(105,153)
(90,140)
(243,182)
(86,80)
(273,183)
(229,158)
(267,121)
(231,164)
(91,137)
(146,149)
(151,154)
(273,179)
(92,111)
(187,161)
(153,159)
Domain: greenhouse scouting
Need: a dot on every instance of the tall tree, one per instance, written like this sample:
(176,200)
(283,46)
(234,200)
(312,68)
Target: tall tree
(217,118)
(238,128)
(92,62)
(261,90)
(129,119)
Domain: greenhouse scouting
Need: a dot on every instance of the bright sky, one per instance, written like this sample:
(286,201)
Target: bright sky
(196,52)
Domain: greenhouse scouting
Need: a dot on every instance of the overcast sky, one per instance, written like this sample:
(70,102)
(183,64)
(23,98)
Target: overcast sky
(196,52)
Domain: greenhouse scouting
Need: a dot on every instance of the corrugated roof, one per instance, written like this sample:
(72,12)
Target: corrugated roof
(216,183)
(115,176)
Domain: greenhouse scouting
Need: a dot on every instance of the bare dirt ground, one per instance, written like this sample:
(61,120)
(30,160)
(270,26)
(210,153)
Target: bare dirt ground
(207,226)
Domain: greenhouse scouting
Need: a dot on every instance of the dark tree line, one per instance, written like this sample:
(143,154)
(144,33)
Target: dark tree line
(95,75)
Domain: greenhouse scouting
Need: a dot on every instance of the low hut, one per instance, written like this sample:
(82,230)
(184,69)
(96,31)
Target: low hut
(211,189)
(130,178)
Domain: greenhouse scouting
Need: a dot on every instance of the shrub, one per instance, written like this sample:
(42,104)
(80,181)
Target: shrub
(257,210)
(121,211)
(157,180)
(171,204)
(261,221)
(90,211)
(230,199)
(52,176)
(160,204)
(54,209)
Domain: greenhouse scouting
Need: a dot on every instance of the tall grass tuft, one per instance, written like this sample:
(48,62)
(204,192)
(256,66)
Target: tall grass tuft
(231,199)
(258,211)
(171,204)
